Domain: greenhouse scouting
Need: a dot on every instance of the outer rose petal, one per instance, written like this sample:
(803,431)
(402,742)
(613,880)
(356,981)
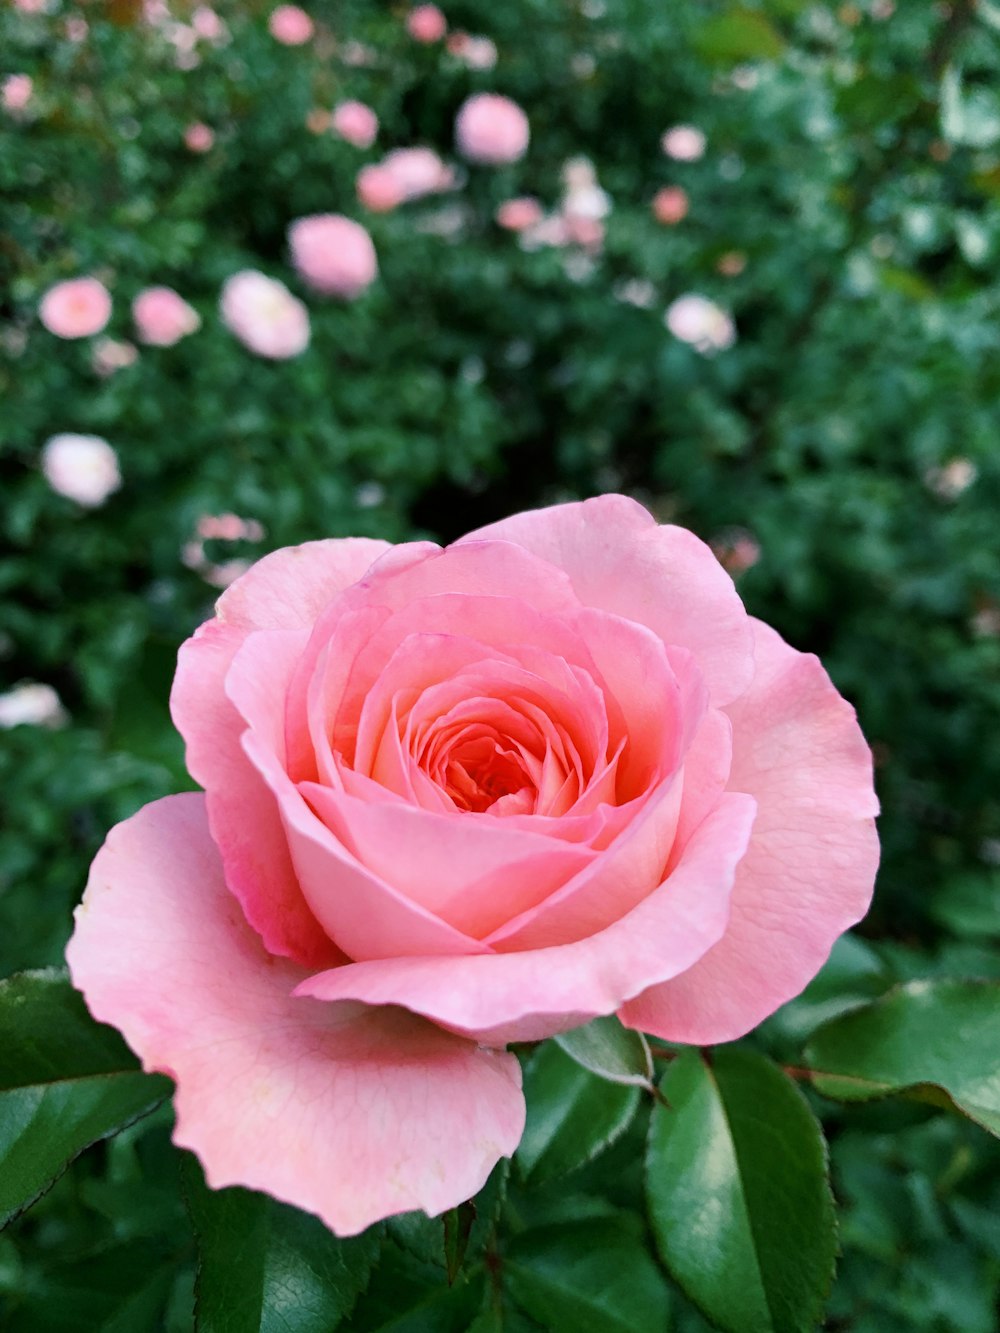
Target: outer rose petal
(619,559)
(498,998)
(809,871)
(348,1112)
(285,590)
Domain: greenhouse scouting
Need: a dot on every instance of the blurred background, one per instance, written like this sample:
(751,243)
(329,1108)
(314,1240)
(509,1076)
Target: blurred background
(740,262)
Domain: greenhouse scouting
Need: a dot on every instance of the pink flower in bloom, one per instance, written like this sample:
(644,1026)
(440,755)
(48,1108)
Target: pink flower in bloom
(264,315)
(670,205)
(697,320)
(162,317)
(16,91)
(378,189)
(333,254)
(459,798)
(32,6)
(76,309)
(403,174)
(426,23)
(31,705)
(517,214)
(110,354)
(84,468)
(290,25)
(474,52)
(76,29)
(199,138)
(356,123)
(207,24)
(491,129)
(684,143)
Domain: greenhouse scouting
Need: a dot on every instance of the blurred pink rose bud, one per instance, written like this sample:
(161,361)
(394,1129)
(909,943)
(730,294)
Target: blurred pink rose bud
(585,231)
(378,189)
(32,6)
(731,264)
(670,205)
(76,29)
(684,143)
(333,254)
(199,138)
(356,123)
(31,705)
(950,481)
(290,25)
(76,309)
(517,214)
(491,129)
(84,468)
(162,317)
(426,23)
(697,320)
(16,91)
(474,52)
(110,355)
(264,315)
(207,24)
(736,550)
(418,172)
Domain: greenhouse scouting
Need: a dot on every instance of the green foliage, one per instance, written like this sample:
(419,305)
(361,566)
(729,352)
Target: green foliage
(847,212)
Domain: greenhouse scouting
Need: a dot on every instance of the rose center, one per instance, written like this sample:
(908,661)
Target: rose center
(480,772)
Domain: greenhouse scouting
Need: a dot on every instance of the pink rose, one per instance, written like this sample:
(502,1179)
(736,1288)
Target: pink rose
(684,143)
(356,123)
(456,798)
(378,189)
(162,317)
(333,254)
(199,138)
(426,23)
(264,315)
(84,468)
(519,214)
(696,320)
(670,205)
(16,92)
(290,25)
(76,309)
(402,175)
(491,129)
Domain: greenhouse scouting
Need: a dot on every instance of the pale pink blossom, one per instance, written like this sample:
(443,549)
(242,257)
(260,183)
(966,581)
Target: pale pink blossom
(518,214)
(78,308)
(162,316)
(290,25)
(697,320)
(453,799)
(264,315)
(426,23)
(334,254)
(199,138)
(950,481)
(77,29)
(378,189)
(84,468)
(584,231)
(16,92)
(207,24)
(684,143)
(356,123)
(402,175)
(229,528)
(31,705)
(32,6)
(491,129)
(737,551)
(670,205)
(474,52)
(111,354)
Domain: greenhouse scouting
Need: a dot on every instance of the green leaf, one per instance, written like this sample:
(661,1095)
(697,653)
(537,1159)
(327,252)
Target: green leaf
(852,974)
(65,1082)
(572,1114)
(409,1296)
(933,1041)
(589,1276)
(739,1196)
(261,1262)
(610,1051)
(738,35)
(969,906)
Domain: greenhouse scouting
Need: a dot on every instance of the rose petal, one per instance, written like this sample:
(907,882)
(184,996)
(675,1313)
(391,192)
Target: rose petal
(498,998)
(618,559)
(351,1113)
(808,874)
(286,589)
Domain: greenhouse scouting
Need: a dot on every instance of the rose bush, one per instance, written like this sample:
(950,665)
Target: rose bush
(453,799)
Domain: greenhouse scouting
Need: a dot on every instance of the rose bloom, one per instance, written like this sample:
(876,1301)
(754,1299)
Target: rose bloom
(455,799)
(697,320)
(426,23)
(474,52)
(111,354)
(670,205)
(31,705)
(378,189)
(334,254)
(199,138)
(84,468)
(491,129)
(684,143)
(290,25)
(356,123)
(162,317)
(264,315)
(207,24)
(78,308)
(517,214)
(16,91)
